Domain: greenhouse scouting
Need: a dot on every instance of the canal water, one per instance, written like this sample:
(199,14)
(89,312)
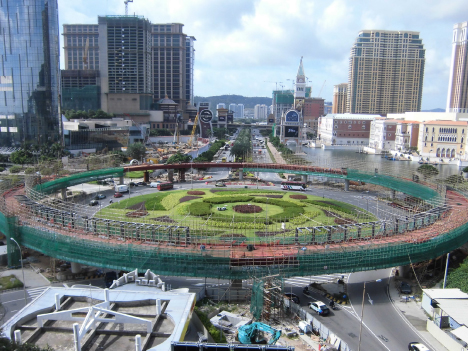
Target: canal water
(337,158)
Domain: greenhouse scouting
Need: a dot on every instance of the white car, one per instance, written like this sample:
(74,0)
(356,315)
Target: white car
(417,346)
(154,184)
(223,208)
(319,307)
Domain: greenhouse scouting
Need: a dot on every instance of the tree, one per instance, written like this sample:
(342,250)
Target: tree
(136,151)
(160,132)
(9,345)
(179,158)
(428,171)
(21,157)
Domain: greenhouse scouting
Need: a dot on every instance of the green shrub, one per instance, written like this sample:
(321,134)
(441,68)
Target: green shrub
(199,209)
(465,169)
(277,202)
(155,203)
(2,169)
(29,170)
(345,208)
(218,336)
(236,225)
(288,213)
(228,199)
(15,169)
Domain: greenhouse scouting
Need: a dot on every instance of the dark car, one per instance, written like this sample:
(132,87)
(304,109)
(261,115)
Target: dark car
(293,297)
(132,184)
(99,197)
(118,195)
(141,183)
(93,203)
(405,288)
(416,346)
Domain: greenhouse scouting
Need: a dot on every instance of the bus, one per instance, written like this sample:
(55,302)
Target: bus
(165,186)
(291,185)
(223,159)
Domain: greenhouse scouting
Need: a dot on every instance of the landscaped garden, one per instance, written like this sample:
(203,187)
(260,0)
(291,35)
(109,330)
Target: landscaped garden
(226,213)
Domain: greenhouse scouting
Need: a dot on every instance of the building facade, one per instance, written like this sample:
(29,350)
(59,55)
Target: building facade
(383,133)
(30,77)
(313,109)
(345,129)
(260,111)
(407,135)
(386,71)
(457,97)
(189,68)
(340,95)
(443,139)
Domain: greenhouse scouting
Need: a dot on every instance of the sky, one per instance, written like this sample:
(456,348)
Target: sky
(251,47)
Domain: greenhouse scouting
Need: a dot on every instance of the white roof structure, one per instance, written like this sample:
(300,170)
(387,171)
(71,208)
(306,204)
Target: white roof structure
(437,294)
(351,116)
(461,333)
(457,309)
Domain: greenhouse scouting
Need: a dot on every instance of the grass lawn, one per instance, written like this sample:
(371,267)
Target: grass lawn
(136,174)
(167,204)
(10,282)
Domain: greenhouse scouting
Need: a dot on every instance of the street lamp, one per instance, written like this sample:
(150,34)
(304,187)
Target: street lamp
(362,308)
(22,270)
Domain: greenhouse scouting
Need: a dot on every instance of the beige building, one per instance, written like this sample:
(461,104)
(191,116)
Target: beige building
(340,92)
(443,139)
(457,97)
(386,70)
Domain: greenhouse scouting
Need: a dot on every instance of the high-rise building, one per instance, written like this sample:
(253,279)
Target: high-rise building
(237,109)
(386,71)
(457,97)
(340,92)
(260,111)
(159,64)
(30,75)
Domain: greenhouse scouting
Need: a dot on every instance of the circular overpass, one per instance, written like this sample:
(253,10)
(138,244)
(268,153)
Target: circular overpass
(33,216)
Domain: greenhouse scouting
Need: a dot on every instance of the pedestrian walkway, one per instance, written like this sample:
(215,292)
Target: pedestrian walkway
(413,313)
(320,279)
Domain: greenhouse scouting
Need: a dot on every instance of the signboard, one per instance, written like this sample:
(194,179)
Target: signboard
(206,116)
(230,117)
(221,118)
(291,132)
(271,120)
(292,116)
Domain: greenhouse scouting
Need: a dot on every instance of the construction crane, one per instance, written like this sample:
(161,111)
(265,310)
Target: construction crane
(126,6)
(190,142)
(85,54)
(320,94)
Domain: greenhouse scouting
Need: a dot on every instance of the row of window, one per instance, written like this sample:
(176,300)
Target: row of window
(445,130)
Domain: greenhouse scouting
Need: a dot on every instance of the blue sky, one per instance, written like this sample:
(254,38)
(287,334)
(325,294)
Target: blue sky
(245,46)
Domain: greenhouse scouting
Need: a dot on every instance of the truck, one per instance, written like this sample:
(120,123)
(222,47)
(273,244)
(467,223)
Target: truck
(121,188)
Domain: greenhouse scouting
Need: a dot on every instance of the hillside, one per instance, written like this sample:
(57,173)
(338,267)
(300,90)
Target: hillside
(249,102)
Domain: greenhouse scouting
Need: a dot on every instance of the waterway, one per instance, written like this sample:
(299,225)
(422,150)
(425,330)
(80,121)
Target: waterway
(349,158)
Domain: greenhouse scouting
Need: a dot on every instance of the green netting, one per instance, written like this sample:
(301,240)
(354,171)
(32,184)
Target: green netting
(256,302)
(54,185)
(405,186)
(9,228)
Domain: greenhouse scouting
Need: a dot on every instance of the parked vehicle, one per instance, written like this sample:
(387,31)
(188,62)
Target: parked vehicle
(122,188)
(405,288)
(222,208)
(417,346)
(293,297)
(118,195)
(141,183)
(319,307)
(99,197)
(93,203)
(133,184)
(220,184)
(154,184)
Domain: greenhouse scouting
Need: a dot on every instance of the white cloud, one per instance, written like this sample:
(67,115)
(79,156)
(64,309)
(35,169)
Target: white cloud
(243,43)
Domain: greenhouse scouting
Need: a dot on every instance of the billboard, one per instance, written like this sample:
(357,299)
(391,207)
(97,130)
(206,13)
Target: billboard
(271,120)
(292,116)
(291,132)
(221,118)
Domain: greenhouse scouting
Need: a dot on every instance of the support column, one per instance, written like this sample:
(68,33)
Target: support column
(304,178)
(57,302)
(75,267)
(158,307)
(170,175)
(181,175)
(138,343)
(241,174)
(146,176)
(64,193)
(346,185)
(18,337)
(121,180)
(76,336)
(392,196)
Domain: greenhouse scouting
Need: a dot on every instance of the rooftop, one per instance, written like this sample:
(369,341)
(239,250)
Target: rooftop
(445,293)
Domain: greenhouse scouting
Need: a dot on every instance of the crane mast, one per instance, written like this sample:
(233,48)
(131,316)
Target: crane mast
(126,6)
(190,142)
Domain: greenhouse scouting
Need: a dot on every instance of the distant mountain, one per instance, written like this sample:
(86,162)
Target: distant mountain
(249,102)
(434,110)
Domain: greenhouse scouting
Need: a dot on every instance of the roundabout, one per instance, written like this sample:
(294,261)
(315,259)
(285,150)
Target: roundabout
(181,232)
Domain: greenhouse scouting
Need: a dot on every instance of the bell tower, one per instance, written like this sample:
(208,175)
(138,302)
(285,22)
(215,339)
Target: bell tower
(300,83)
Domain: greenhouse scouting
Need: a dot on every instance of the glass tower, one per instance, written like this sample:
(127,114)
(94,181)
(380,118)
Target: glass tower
(30,74)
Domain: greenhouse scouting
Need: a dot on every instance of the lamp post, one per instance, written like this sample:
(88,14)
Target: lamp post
(22,270)
(362,309)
